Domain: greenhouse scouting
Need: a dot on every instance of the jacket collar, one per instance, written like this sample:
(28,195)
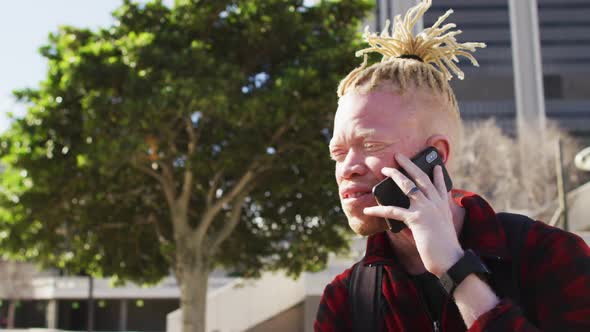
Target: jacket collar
(481,232)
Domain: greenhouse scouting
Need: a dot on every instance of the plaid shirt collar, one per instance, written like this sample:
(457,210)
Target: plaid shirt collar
(481,233)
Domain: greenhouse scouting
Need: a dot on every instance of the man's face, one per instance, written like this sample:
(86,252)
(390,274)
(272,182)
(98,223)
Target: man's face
(368,130)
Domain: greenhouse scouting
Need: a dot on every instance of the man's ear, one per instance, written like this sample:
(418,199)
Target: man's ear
(441,143)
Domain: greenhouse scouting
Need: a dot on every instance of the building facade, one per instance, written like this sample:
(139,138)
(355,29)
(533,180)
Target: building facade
(489,91)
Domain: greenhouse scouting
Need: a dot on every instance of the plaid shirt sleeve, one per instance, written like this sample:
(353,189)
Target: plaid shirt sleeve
(334,313)
(555,284)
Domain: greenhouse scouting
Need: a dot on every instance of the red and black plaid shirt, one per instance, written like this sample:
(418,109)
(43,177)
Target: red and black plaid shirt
(555,281)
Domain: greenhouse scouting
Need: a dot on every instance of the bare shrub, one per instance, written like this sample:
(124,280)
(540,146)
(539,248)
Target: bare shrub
(489,164)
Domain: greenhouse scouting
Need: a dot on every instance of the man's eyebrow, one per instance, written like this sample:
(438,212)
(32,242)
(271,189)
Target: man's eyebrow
(363,133)
(366,132)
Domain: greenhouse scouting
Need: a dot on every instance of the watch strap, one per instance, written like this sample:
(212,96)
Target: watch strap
(468,264)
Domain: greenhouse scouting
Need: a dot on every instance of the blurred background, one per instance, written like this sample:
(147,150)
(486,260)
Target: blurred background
(159,152)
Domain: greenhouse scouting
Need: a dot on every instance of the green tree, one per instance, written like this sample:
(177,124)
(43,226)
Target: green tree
(181,139)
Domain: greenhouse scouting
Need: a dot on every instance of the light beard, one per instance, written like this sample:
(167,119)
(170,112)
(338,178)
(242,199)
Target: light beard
(366,225)
(359,222)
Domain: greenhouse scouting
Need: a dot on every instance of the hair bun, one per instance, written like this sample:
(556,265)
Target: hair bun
(436,45)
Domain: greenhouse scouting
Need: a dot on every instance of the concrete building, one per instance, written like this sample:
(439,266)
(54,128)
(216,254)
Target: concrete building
(564,37)
(489,91)
(59,302)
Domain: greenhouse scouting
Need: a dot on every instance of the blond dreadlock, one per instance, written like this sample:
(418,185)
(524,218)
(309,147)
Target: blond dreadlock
(424,59)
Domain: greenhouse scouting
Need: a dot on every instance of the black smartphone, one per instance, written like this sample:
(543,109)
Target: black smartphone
(388,193)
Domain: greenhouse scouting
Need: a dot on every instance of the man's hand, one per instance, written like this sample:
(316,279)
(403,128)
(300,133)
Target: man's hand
(429,216)
(430,219)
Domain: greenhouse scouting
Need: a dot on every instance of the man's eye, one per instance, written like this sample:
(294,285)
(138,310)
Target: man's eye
(371,146)
(338,155)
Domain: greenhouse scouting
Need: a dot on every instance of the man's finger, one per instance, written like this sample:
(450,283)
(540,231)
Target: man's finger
(399,178)
(420,178)
(439,181)
(390,212)
(403,182)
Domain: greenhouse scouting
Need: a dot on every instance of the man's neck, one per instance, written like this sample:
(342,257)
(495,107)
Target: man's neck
(405,248)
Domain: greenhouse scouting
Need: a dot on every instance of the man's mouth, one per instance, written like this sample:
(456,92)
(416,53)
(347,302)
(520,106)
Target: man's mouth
(355,194)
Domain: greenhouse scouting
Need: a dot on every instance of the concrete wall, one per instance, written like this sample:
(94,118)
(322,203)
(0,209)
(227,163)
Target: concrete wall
(244,304)
(290,320)
(299,318)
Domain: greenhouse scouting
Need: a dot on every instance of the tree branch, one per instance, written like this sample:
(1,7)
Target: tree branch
(159,229)
(148,171)
(212,187)
(282,130)
(238,190)
(212,210)
(187,186)
(165,182)
(172,134)
(167,174)
(193,137)
(228,228)
(172,146)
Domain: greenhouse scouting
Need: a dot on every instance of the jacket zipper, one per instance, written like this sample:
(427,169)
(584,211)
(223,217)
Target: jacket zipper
(435,323)
(436,326)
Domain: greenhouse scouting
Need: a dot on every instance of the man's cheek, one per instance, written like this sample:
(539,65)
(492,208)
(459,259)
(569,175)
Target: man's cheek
(375,165)
(337,172)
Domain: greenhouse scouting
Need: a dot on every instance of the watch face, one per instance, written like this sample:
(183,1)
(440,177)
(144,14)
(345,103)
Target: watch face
(447,283)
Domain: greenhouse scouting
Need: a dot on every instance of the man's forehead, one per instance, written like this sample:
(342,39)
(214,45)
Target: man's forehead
(378,103)
(377,114)
(387,106)
(370,108)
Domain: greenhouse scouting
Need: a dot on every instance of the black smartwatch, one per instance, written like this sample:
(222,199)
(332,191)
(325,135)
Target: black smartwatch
(468,264)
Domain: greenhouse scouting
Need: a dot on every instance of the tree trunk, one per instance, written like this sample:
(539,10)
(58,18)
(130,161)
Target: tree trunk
(11,314)
(193,294)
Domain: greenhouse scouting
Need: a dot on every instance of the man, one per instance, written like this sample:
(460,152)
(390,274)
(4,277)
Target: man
(389,112)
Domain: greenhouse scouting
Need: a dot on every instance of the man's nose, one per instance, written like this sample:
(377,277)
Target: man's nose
(353,165)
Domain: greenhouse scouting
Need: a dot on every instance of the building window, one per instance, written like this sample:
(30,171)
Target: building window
(552,84)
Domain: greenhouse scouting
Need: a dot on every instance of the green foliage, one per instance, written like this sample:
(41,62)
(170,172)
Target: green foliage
(118,99)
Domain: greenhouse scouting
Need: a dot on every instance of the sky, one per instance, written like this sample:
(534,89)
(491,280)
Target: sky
(25,26)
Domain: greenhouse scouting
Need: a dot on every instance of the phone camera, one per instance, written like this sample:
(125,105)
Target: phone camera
(431,157)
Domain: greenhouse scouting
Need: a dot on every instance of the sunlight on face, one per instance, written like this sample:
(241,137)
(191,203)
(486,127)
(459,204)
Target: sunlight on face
(368,130)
